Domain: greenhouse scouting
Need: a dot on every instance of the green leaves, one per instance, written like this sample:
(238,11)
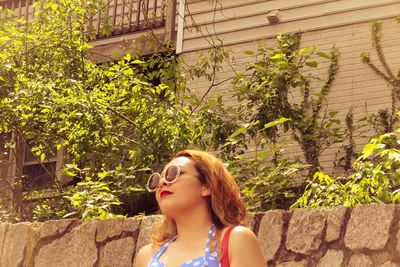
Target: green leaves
(267,112)
(266,185)
(237,133)
(306,51)
(276,57)
(115,121)
(266,94)
(376,178)
(369,149)
(276,122)
(93,199)
(312,64)
(324,55)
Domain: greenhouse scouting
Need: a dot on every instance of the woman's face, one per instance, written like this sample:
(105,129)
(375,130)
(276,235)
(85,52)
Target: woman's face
(183,194)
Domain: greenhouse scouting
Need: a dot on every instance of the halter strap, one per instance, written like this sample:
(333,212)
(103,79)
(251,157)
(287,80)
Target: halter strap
(211,236)
(225,247)
(164,247)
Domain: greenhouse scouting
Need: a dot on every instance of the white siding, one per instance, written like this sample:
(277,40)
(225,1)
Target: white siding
(236,21)
(356,85)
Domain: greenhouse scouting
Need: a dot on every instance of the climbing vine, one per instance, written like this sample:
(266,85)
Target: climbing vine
(385,119)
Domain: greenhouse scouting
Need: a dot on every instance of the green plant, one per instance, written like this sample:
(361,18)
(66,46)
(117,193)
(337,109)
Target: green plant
(351,132)
(116,121)
(266,186)
(266,95)
(93,199)
(42,207)
(268,181)
(249,137)
(376,178)
(385,119)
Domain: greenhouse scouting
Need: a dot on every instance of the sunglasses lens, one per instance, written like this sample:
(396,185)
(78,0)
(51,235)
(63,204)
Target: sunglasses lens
(171,173)
(153,181)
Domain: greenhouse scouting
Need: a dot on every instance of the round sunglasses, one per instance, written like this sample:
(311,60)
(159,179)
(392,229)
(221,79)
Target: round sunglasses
(170,176)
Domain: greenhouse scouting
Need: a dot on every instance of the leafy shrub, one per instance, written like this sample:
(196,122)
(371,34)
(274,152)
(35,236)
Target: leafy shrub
(266,185)
(376,178)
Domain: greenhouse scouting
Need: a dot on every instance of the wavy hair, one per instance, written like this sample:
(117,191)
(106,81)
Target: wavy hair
(225,204)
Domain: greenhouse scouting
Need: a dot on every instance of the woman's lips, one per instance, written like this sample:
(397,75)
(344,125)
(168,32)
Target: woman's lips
(165,193)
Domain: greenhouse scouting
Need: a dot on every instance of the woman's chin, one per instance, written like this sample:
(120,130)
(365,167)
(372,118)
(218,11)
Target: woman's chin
(167,209)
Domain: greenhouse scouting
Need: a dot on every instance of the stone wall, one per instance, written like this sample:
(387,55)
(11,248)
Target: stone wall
(366,235)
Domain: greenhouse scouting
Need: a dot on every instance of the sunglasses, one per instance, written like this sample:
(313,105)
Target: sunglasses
(170,176)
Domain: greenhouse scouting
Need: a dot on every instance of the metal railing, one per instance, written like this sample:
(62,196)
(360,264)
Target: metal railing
(119,16)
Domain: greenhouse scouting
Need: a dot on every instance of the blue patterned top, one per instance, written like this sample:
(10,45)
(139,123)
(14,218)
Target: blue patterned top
(210,259)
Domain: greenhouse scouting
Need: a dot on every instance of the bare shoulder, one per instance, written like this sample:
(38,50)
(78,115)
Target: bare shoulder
(244,247)
(242,232)
(242,236)
(144,255)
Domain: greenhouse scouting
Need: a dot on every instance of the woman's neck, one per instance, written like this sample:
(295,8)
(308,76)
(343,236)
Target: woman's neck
(191,228)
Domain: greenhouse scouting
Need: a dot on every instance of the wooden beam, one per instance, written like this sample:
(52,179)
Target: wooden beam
(59,167)
(114,21)
(15,171)
(146,13)
(138,9)
(170,10)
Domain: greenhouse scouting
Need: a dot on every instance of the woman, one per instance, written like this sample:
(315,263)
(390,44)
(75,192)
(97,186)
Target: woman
(201,205)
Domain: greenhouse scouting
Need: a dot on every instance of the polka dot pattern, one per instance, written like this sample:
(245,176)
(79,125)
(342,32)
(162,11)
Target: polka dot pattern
(209,259)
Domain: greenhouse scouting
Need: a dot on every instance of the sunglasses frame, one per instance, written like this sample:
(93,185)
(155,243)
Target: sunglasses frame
(178,173)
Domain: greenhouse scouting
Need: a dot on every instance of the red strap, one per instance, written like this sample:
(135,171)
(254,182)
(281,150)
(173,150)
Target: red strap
(225,249)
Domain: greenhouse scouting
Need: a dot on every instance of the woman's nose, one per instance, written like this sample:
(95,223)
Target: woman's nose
(162,182)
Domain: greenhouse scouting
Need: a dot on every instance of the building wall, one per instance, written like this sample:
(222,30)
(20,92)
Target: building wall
(237,21)
(366,235)
(343,24)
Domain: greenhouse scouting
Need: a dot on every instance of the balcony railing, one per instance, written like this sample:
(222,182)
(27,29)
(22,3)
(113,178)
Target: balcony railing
(119,16)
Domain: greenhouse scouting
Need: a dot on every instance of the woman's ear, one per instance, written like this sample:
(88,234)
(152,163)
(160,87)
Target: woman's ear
(206,191)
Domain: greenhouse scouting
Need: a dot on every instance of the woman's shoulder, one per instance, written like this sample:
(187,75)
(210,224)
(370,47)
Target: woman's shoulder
(244,247)
(238,236)
(144,255)
(240,233)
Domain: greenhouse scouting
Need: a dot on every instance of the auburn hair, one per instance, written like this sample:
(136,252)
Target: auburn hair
(225,204)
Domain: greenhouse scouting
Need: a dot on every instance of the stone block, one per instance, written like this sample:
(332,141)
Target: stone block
(75,248)
(53,228)
(334,221)
(332,258)
(249,220)
(390,264)
(305,230)
(131,224)
(398,242)
(270,233)
(118,253)
(16,245)
(373,219)
(108,228)
(381,257)
(358,260)
(3,232)
(146,228)
(302,263)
